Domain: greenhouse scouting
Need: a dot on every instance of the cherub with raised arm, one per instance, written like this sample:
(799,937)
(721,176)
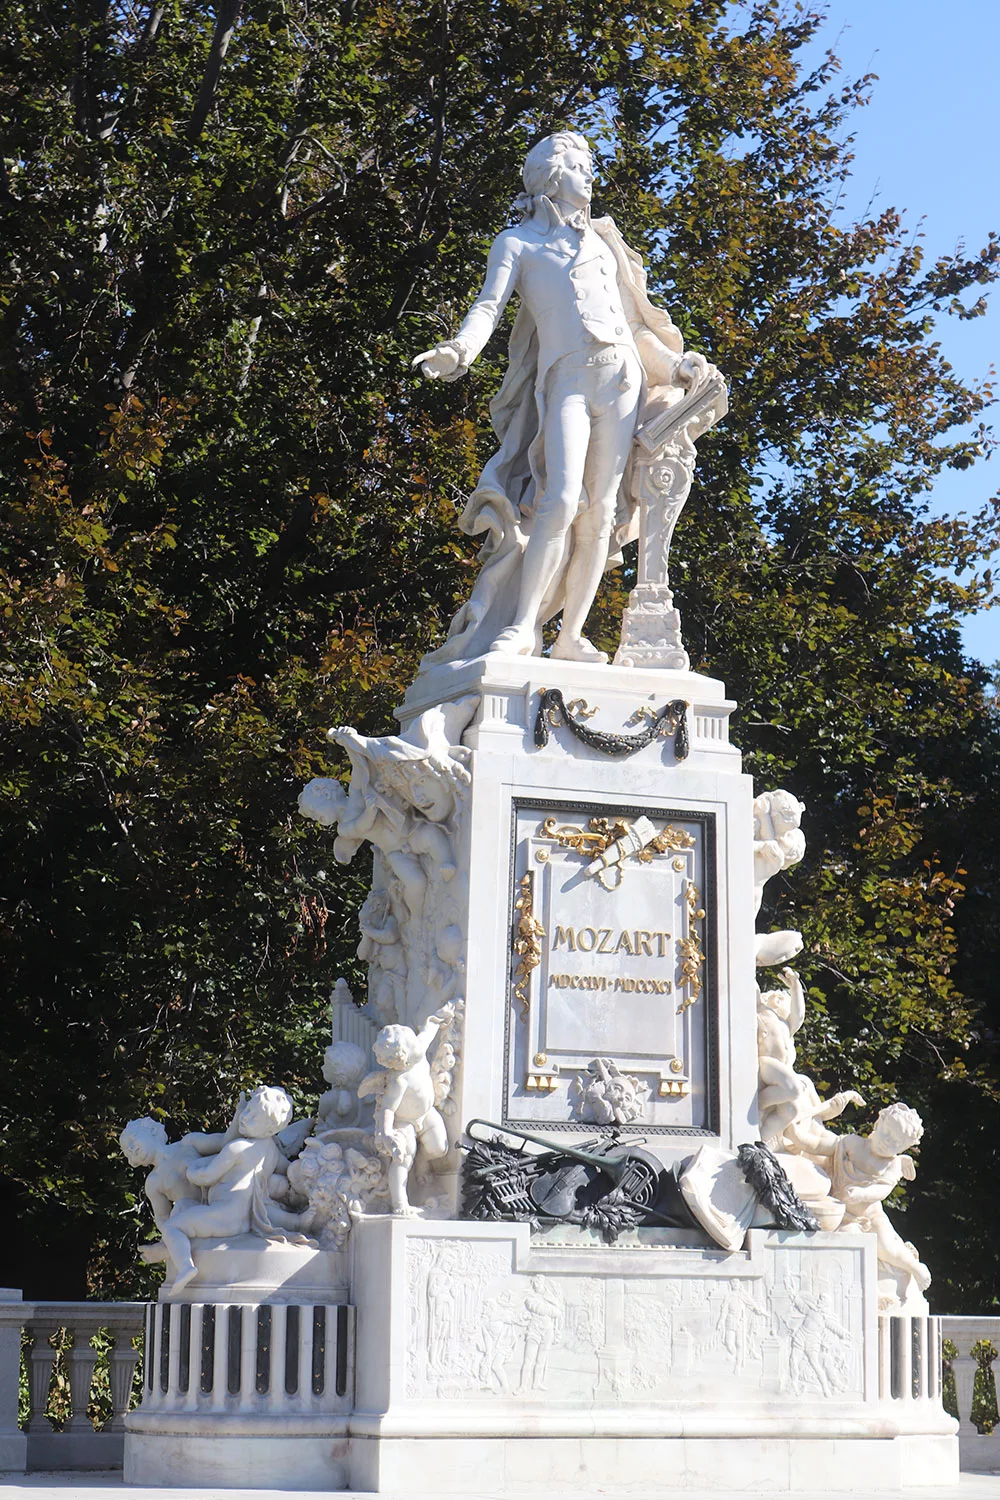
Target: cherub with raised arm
(145,1144)
(864,1171)
(792,1115)
(406,1117)
(243,1180)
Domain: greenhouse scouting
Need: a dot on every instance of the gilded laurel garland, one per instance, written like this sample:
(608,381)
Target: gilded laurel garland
(691,952)
(528,936)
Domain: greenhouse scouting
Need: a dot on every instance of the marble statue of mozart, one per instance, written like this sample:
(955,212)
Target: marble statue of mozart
(587,353)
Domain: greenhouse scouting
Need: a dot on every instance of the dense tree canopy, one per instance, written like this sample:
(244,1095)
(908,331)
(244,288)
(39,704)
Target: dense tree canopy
(229,521)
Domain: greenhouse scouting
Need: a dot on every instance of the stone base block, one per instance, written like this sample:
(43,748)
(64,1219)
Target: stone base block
(508,1466)
(980,1453)
(13,1452)
(238,1460)
(248,1269)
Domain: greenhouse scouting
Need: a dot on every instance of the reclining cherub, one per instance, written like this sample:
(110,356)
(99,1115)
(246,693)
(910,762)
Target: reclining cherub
(243,1180)
(145,1144)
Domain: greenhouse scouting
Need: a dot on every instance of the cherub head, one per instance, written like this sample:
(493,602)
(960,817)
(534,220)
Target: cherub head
(142,1141)
(323,800)
(563,157)
(375,907)
(396,1047)
(344,1065)
(786,812)
(897,1128)
(266,1112)
(777,1001)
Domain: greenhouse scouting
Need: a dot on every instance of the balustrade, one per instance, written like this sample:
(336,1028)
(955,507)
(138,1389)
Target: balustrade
(979,1451)
(56,1342)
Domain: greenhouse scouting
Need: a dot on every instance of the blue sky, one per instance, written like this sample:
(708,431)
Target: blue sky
(928,144)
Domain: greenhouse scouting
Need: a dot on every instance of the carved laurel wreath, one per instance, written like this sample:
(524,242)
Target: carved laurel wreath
(554,711)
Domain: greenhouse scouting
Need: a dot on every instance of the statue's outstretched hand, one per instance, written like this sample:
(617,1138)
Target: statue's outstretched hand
(443,362)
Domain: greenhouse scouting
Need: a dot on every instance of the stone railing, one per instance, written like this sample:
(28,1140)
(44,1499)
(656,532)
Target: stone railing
(979,1452)
(61,1345)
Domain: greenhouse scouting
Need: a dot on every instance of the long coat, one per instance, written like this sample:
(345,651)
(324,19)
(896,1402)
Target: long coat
(502,504)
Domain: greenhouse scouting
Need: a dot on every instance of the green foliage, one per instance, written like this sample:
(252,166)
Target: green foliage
(228,521)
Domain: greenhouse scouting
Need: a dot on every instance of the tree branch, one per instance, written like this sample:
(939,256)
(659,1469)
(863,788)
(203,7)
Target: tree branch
(225,24)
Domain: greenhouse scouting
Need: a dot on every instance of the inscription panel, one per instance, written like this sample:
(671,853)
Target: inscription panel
(611,1018)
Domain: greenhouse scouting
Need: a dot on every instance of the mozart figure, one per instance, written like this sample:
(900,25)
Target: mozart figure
(588,350)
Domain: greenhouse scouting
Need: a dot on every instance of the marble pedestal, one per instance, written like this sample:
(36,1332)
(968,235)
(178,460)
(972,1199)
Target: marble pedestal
(248,1375)
(441,1356)
(493,1360)
(610,973)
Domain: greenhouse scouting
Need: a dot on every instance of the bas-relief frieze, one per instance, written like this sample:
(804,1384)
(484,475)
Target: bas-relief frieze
(479,1328)
(476,1328)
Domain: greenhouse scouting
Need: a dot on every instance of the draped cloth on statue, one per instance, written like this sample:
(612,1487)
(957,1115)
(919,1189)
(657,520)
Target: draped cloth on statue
(503,502)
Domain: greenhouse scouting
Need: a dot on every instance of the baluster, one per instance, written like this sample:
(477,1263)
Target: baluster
(151,1358)
(905,1346)
(963,1367)
(42,1357)
(924,1346)
(884,1359)
(991,1391)
(81,1359)
(276,1399)
(194,1359)
(173,1396)
(330,1355)
(220,1360)
(248,1355)
(124,1358)
(305,1354)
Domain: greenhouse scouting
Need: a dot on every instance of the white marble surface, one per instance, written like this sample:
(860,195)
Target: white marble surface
(96,1486)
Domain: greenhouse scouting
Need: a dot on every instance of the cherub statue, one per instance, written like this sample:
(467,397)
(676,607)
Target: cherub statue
(864,1171)
(406,1116)
(145,1144)
(366,813)
(381,947)
(791,1111)
(243,1179)
(778,841)
(344,1064)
